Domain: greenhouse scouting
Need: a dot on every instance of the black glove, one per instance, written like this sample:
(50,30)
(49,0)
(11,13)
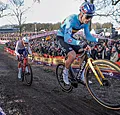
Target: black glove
(83,44)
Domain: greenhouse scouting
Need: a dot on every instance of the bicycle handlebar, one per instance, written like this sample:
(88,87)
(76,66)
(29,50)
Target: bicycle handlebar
(88,47)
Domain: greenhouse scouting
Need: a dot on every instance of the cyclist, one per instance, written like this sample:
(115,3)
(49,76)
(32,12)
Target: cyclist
(68,28)
(21,48)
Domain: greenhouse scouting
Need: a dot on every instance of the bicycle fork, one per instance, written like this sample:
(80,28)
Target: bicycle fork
(95,73)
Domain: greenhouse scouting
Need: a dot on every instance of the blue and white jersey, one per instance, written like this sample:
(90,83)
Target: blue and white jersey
(70,26)
(20,46)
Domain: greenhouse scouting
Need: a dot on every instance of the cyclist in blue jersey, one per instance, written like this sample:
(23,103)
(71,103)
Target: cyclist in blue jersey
(71,25)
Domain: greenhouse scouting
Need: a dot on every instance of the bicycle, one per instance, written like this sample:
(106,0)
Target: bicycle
(101,78)
(26,75)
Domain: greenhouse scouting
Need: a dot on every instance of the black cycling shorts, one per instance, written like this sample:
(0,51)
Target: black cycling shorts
(67,47)
(22,51)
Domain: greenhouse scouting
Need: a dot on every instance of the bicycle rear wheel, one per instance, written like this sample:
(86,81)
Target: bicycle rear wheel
(28,75)
(59,72)
(108,94)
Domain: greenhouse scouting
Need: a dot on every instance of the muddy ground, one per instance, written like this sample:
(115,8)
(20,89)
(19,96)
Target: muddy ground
(44,96)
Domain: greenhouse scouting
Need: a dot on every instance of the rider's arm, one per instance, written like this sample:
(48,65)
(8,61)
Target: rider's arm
(16,49)
(88,35)
(68,34)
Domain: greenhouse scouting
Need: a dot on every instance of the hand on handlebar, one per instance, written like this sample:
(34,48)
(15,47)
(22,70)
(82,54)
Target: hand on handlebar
(87,48)
(83,44)
(18,56)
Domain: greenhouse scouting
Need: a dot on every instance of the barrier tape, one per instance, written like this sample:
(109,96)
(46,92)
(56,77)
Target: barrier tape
(48,60)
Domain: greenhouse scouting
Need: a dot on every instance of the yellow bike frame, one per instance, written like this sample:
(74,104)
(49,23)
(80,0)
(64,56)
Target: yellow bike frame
(89,63)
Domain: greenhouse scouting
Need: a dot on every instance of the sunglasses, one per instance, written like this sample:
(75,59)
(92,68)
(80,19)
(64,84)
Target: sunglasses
(88,16)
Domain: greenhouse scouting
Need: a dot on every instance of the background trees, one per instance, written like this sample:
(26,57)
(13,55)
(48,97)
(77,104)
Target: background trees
(41,26)
(16,10)
(3,7)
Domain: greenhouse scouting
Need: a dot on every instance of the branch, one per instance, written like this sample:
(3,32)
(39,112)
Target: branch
(115,2)
(3,7)
(37,1)
(4,15)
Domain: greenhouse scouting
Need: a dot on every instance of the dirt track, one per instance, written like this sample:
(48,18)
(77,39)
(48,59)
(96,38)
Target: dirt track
(44,97)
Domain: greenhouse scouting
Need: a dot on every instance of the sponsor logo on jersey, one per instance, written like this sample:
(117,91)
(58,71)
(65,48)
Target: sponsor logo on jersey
(69,40)
(70,49)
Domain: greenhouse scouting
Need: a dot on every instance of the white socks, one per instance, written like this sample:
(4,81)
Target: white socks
(66,70)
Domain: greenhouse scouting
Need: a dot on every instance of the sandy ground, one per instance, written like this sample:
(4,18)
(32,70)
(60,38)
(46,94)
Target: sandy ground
(44,96)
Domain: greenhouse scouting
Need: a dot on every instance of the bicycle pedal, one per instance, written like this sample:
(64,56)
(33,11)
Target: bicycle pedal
(83,83)
(27,73)
(74,83)
(80,81)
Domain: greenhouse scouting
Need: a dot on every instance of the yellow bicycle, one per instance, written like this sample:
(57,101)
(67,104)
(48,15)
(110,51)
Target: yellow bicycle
(102,79)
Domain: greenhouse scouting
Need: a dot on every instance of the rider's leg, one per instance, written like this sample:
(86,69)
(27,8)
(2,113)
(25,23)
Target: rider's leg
(67,49)
(25,61)
(19,64)
(25,64)
(70,58)
(19,69)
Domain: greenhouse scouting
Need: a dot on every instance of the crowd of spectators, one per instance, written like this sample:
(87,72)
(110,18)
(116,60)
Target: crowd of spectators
(109,51)
(42,46)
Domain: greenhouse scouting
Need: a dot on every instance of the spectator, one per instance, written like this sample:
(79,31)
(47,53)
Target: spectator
(93,52)
(114,56)
(100,52)
(118,49)
(107,53)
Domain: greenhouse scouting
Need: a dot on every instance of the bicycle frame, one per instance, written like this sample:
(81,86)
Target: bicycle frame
(87,61)
(81,68)
(95,73)
(24,61)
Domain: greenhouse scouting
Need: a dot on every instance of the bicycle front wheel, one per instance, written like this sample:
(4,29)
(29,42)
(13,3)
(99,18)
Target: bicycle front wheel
(28,75)
(107,94)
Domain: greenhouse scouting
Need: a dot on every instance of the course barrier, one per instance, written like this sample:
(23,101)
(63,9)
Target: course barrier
(12,52)
(48,60)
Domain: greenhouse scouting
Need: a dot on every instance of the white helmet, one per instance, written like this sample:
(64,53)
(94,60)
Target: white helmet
(25,39)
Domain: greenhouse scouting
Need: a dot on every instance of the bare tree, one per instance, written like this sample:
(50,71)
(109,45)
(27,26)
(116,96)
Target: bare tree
(115,2)
(108,8)
(3,7)
(17,11)
(37,1)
